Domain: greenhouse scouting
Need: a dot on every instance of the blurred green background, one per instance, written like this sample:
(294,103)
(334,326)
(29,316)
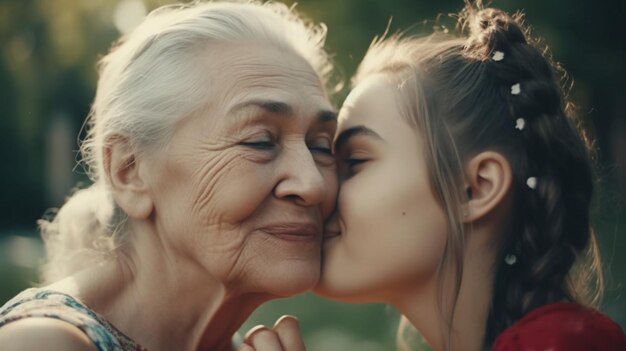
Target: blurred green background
(48,53)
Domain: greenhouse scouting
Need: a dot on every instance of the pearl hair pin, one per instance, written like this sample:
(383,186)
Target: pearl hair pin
(510,259)
(497,56)
(516,89)
(520,123)
(531,182)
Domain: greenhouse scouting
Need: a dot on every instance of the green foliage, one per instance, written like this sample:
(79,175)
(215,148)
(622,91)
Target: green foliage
(329,325)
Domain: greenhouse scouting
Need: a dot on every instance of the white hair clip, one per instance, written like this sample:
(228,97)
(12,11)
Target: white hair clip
(497,56)
(531,182)
(510,259)
(516,89)
(520,123)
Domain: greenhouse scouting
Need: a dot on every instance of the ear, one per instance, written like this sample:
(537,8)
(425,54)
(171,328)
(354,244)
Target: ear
(489,179)
(125,172)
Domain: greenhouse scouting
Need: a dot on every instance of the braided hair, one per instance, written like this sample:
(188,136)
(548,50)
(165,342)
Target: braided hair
(494,88)
(552,172)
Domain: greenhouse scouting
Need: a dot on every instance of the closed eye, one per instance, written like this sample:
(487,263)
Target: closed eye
(352,162)
(322,150)
(322,146)
(351,166)
(260,145)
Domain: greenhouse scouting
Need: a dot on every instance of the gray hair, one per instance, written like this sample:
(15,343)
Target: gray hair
(144,89)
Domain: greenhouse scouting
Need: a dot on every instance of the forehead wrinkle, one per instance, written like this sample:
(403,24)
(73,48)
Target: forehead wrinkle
(267,74)
(259,76)
(259,90)
(248,84)
(288,62)
(262,72)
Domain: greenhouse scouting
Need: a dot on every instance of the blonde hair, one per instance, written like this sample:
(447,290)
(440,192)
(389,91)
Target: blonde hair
(145,88)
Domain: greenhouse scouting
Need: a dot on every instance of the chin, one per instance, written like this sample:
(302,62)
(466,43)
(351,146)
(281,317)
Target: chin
(335,288)
(349,287)
(296,278)
(345,294)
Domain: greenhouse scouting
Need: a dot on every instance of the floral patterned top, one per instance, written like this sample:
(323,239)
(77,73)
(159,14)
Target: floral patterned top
(52,304)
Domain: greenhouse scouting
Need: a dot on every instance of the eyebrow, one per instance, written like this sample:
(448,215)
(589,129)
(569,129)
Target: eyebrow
(344,136)
(282,108)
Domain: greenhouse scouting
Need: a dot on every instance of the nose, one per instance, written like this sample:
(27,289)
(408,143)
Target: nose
(301,180)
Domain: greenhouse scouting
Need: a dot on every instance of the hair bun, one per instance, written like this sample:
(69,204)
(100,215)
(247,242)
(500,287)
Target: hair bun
(492,29)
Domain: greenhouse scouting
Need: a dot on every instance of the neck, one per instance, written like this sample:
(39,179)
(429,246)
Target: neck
(427,306)
(161,300)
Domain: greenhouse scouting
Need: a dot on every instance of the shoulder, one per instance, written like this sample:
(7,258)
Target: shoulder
(44,334)
(563,326)
(58,321)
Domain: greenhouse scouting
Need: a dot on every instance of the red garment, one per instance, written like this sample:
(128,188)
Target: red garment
(563,327)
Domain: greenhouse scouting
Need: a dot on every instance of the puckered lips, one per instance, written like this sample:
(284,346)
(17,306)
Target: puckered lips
(331,231)
(332,228)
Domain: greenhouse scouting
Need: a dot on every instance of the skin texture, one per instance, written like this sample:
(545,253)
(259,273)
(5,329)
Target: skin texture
(248,168)
(285,335)
(386,242)
(37,333)
(392,228)
(229,214)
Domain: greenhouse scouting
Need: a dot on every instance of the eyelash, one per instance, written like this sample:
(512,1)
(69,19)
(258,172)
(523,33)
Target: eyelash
(322,149)
(351,163)
(260,145)
(269,145)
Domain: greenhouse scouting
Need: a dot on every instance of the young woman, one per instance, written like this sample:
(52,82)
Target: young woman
(465,196)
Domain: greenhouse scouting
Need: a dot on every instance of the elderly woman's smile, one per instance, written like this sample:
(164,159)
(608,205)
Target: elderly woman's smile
(294,231)
(209,147)
(250,178)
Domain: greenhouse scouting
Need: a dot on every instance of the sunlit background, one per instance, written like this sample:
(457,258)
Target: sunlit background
(48,53)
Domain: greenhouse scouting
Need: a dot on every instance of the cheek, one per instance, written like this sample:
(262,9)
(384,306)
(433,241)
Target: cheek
(394,233)
(329,173)
(370,200)
(419,231)
(205,201)
(416,242)
(229,189)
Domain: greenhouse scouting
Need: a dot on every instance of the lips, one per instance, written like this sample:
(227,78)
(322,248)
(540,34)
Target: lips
(294,231)
(331,233)
(332,229)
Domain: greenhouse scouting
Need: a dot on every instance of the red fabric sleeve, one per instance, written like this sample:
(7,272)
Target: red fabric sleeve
(563,327)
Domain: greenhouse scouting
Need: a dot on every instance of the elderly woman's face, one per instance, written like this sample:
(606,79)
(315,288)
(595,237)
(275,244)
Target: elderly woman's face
(247,182)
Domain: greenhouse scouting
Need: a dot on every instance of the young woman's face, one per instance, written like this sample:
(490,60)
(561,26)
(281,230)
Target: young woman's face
(392,231)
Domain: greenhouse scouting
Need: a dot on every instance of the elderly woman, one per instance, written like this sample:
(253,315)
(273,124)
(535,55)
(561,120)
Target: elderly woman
(209,146)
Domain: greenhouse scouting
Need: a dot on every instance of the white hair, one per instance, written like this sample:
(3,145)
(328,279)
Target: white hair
(145,88)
